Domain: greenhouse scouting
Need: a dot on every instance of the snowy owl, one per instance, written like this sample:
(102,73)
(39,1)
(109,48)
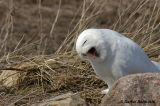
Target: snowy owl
(113,55)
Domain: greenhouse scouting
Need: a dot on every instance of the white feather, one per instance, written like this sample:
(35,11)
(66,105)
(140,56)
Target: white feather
(118,55)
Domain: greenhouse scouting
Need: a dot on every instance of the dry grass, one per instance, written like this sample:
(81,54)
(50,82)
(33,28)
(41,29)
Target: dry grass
(44,76)
(53,75)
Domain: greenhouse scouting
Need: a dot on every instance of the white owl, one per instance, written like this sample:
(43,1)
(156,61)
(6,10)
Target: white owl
(113,55)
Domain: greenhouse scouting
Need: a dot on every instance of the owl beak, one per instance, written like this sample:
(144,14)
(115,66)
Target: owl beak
(83,54)
(93,52)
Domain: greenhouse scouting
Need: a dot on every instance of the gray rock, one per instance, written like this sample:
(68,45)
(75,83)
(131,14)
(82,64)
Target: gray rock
(134,90)
(68,99)
(9,78)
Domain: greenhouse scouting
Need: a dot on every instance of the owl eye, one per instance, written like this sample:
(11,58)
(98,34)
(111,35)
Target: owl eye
(84,42)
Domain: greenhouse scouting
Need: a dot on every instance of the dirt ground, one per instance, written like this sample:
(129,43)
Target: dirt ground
(35,31)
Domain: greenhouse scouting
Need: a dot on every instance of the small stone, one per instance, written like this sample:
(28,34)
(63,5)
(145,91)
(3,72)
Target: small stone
(68,99)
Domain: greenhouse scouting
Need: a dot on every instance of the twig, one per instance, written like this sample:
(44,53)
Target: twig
(22,98)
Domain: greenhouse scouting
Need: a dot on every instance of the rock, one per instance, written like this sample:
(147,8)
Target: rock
(136,90)
(68,99)
(9,78)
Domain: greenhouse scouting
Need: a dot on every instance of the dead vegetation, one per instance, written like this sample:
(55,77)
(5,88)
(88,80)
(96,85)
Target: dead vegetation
(28,51)
(52,75)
